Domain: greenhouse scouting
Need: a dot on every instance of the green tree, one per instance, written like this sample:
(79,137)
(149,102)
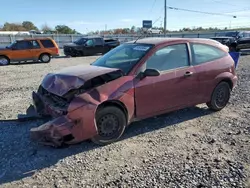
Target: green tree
(13,27)
(63,29)
(132,29)
(29,26)
(46,29)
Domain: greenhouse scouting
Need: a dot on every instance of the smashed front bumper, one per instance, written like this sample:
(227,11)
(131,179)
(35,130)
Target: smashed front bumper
(53,133)
(72,122)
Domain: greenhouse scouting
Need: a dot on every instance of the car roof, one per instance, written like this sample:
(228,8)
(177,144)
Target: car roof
(163,40)
(91,37)
(222,37)
(43,38)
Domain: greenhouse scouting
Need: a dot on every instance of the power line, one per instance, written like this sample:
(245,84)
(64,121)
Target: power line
(196,11)
(224,3)
(158,17)
(152,7)
(239,10)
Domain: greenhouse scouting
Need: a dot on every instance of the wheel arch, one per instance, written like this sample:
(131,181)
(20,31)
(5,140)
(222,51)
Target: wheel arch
(225,77)
(44,53)
(5,56)
(115,103)
(227,80)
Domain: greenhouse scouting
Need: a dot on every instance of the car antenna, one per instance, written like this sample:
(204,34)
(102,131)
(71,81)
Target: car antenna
(141,35)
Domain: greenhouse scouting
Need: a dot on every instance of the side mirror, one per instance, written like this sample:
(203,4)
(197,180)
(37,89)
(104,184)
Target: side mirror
(151,72)
(14,47)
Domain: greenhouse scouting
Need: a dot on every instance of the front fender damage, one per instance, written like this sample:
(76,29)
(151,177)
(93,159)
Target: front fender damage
(78,125)
(74,122)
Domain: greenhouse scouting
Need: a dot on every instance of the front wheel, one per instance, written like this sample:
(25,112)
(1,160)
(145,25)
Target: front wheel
(220,96)
(4,61)
(111,123)
(45,58)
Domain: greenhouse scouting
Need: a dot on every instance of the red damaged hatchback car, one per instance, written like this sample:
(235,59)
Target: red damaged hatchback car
(135,80)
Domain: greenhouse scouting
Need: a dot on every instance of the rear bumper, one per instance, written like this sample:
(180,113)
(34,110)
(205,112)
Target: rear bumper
(55,55)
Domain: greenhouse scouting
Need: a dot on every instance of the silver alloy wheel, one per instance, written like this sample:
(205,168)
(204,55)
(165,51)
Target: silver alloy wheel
(45,58)
(3,61)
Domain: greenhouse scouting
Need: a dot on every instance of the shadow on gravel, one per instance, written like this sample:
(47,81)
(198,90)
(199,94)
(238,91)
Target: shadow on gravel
(37,62)
(21,158)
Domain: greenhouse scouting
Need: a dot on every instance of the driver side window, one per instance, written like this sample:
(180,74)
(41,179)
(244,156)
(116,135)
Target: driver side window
(23,45)
(90,43)
(169,57)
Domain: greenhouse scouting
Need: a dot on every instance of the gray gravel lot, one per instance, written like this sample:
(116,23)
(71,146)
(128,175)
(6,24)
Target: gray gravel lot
(188,148)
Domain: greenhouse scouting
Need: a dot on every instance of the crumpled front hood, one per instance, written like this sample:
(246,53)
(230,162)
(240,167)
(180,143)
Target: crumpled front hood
(72,78)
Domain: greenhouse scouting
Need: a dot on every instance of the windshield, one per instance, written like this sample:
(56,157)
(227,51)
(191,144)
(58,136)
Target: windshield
(123,57)
(10,45)
(80,41)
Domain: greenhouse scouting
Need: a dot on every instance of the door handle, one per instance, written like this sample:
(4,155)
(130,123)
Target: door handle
(187,74)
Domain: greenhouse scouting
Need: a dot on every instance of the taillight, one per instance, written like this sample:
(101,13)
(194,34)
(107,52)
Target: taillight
(57,50)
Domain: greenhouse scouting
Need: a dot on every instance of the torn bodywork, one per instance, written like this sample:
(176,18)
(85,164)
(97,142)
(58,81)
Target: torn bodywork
(71,97)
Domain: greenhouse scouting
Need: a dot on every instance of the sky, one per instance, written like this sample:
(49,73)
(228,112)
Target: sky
(89,15)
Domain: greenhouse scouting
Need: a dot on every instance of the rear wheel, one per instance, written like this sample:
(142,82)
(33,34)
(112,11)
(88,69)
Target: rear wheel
(111,123)
(233,48)
(45,58)
(4,61)
(220,96)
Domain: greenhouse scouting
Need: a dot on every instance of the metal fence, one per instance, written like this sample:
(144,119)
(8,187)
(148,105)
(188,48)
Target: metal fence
(62,39)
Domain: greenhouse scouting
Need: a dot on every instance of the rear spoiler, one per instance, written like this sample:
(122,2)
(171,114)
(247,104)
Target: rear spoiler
(235,56)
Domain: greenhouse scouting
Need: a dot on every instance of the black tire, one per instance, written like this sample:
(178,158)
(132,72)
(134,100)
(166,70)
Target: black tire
(233,48)
(45,58)
(111,123)
(220,96)
(4,61)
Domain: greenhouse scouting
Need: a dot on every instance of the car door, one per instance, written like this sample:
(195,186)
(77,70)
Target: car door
(36,49)
(22,51)
(98,45)
(89,47)
(174,88)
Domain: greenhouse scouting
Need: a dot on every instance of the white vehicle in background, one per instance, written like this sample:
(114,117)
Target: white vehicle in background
(31,32)
(154,31)
(14,33)
(151,31)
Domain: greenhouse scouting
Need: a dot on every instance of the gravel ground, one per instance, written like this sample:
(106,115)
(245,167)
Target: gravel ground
(188,148)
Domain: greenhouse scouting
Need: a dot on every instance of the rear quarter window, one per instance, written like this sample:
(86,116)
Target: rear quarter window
(203,53)
(47,43)
(98,41)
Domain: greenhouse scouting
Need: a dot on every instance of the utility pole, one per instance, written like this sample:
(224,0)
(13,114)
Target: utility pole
(165,17)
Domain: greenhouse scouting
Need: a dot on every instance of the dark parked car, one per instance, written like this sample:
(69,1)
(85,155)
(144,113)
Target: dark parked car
(136,80)
(90,46)
(235,40)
